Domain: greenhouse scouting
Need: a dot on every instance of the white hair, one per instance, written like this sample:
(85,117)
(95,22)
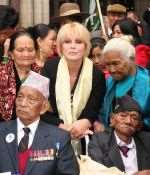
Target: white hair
(121,45)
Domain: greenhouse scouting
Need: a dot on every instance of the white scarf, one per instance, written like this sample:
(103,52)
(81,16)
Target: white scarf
(81,94)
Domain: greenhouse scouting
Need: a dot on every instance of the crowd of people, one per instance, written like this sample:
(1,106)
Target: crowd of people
(61,84)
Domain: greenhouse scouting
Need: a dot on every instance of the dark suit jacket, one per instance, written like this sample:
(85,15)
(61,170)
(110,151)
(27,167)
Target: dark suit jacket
(103,148)
(95,100)
(46,137)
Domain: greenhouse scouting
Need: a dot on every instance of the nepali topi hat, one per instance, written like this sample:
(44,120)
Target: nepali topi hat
(38,82)
(126,103)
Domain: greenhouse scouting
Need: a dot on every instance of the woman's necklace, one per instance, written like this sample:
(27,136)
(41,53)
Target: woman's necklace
(22,80)
(23,75)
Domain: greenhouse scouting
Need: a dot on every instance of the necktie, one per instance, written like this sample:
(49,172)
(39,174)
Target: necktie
(23,145)
(124,150)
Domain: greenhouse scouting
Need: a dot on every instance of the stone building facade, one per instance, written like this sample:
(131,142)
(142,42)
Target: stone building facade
(40,11)
(31,11)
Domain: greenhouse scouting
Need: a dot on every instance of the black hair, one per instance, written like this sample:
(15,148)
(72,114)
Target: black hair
(146,16)
(97,42)
(129,27)
(40,30)
(8,17)
(75,18)
(17,35)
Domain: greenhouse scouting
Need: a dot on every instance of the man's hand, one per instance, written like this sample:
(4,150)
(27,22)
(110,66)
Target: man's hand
(65,127)
(98,126)
(80,128)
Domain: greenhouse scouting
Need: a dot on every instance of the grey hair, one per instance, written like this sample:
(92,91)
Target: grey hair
(123,46)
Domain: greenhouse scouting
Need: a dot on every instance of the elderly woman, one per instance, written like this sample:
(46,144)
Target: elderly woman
(77,86)
(14,71)
(126,77)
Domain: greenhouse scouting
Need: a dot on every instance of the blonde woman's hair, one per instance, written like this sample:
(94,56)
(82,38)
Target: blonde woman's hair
(73,29)
(123,46)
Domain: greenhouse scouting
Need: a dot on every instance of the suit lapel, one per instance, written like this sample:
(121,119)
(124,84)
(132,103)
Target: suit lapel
(39,143)
(10,132)
(114,154)
(144,159)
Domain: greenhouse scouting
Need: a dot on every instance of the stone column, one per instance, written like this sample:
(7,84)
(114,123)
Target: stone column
(41,11)
(37,11)
(26,13)
(46,11)
(15,4)
(4,2)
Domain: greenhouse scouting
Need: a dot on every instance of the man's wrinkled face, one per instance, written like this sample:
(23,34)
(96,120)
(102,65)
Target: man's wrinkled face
(114,16)
(125,123)
(29,104)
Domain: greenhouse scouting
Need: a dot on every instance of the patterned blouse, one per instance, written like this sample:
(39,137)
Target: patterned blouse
(9,86)
(7,89)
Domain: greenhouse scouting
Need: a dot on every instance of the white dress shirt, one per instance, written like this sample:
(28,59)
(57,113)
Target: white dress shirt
(130,162)
(20,132)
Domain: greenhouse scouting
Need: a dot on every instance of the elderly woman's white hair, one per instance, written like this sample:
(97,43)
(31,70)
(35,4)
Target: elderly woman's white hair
(122,45)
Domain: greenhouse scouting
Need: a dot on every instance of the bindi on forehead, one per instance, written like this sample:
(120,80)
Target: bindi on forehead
(24,44)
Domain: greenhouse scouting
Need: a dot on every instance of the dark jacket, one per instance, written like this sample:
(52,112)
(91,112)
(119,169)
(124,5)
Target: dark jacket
(103,148)
(46,138)
(97,94)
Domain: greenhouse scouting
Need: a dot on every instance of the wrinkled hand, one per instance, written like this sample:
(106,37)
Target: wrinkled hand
(65,127)
(98,126)
(80,128)
(6,46)
(143,172)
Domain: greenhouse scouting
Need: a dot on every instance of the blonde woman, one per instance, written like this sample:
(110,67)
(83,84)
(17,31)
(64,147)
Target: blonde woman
(77,87)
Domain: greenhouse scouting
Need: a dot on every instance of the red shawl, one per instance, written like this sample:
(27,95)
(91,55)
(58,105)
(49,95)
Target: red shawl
(7,89)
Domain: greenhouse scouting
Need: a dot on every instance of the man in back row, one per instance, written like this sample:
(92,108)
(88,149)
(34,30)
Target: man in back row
(42,149)
(114,12)
(124,146)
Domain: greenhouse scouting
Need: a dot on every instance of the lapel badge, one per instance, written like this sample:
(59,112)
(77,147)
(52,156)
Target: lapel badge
(57,148)
(10,137)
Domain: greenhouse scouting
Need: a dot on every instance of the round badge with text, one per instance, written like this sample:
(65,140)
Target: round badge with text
(10,137)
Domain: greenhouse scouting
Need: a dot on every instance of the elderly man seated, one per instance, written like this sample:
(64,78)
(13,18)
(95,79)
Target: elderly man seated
(124,146)
(29,146)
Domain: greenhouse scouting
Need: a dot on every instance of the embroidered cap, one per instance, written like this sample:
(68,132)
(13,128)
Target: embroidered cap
(38,82)
(126,103)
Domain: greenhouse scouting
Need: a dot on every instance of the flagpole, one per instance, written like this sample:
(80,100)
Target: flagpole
(101,18)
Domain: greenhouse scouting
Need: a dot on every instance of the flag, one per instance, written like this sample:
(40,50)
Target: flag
(92,22)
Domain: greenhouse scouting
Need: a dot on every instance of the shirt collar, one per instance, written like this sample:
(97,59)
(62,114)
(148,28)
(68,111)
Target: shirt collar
(122,143)
(33,126)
